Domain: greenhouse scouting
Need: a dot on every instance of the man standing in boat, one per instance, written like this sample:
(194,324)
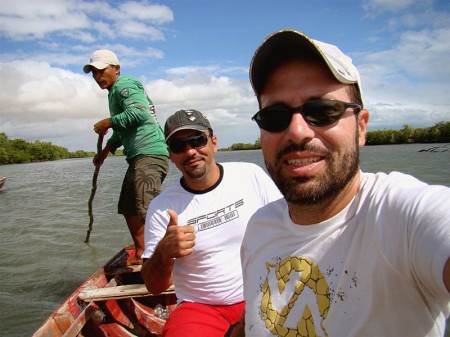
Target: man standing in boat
(195,227)
(136,128)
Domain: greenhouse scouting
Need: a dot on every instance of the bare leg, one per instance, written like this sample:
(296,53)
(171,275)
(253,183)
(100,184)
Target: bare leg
(137,233)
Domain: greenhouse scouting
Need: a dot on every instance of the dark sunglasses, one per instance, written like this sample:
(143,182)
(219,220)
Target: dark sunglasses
(320,112)
(195,142)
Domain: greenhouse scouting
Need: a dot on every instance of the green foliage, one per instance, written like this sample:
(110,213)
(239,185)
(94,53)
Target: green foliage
(439,133)
(17,151)
(242,146)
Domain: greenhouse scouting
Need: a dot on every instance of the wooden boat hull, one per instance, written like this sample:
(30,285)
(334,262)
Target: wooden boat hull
(112,302)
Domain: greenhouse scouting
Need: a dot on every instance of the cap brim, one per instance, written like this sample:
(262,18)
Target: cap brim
(187,127)
(98,65)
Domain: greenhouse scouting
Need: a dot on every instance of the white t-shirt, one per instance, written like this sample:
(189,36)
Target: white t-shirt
(374,269)
(212,273)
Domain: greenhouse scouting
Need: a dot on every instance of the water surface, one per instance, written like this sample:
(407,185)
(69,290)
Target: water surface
(44,220)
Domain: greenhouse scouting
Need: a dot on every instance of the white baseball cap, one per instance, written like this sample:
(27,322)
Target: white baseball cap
(100,59)
(287,43)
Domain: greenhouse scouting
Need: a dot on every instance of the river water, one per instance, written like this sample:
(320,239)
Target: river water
(44,220)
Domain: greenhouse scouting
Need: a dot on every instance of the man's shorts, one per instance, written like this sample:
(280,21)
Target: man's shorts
(202,320)
(141,184)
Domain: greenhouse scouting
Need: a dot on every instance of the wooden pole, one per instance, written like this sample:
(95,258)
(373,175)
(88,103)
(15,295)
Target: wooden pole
(94,189)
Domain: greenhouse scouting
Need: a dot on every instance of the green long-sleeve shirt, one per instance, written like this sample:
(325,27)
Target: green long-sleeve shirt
(133,119)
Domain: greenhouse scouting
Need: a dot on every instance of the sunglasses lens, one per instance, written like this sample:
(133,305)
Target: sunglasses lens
(323,112)
(177,146)
(274,118)
(200,141)
(196,142)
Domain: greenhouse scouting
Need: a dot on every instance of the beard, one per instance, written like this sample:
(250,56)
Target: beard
(318,189)
(194,173)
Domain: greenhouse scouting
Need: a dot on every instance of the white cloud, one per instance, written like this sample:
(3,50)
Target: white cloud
(57,105)
(408,83)
(159,14)
(387,5)
(41,18)
(45,17)
(138,30)
(227,102)
(422,17)
(423,53)
(50,103)
(406,80)
(212,69)
(66,32)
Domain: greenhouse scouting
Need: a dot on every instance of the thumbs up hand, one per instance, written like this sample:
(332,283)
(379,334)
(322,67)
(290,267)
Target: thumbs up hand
(176,243)
(178,240)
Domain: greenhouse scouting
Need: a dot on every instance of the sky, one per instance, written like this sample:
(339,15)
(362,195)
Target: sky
(195,54)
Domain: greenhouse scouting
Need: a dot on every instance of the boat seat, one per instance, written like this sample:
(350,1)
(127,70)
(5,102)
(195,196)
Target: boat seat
(117,292)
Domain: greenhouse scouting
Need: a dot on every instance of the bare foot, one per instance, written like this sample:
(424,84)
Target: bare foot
(130,261)
(133,259)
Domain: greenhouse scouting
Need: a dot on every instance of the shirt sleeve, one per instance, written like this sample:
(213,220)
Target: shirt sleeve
(414,229)
(430,239)
(115,142)
(134,105)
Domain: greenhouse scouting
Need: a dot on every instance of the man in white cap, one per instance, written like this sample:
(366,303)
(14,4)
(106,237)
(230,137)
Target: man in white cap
(345,253)
(136,128)
(195,227)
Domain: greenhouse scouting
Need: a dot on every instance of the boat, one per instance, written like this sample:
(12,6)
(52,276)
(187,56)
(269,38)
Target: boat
(111,302)
(2,181)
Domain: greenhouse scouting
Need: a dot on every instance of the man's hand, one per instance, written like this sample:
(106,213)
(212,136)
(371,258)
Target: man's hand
(176,243)
(179,240)
(101,127)
(99,158)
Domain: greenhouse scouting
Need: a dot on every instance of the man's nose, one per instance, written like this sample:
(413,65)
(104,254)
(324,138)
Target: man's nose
(299,130)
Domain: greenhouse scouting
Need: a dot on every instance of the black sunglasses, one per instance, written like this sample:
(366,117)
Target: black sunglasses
(320,112)
(196,142)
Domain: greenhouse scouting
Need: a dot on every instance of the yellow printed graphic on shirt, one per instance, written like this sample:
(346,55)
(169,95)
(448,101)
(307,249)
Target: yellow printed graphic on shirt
(310,277)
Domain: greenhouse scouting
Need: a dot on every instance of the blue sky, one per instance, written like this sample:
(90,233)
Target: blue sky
(196,54)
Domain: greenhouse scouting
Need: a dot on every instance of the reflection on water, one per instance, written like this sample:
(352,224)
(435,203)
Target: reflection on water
(45,217)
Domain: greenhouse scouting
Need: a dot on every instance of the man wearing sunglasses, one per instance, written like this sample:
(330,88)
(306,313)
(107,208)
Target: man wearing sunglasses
(135,127)
(195,227)
(345,253)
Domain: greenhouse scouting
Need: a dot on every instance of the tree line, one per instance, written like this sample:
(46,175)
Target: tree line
(15,151)
(438,133)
